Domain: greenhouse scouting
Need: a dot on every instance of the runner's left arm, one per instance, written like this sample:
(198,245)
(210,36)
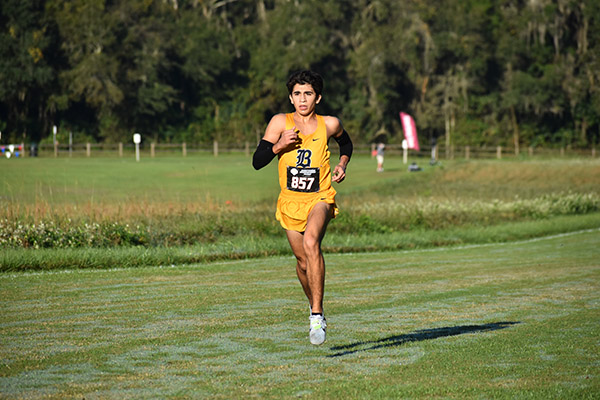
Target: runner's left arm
(343,140)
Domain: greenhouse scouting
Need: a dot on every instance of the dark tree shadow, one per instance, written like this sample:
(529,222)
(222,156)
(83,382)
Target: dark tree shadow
(418,336)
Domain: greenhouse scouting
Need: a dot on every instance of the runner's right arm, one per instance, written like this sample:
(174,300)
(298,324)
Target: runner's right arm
(275,140)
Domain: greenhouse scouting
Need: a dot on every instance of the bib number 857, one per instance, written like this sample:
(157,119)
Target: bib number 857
(303,179)
(302,183)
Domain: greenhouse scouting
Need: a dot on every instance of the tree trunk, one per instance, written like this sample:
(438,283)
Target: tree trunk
(582,33)
(556,37)
(447,125)
(584,126)
(261,10)
(513,117)
(447,120)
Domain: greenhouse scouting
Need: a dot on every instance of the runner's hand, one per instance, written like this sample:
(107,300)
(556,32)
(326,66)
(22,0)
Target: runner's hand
(289,139)
(339,173)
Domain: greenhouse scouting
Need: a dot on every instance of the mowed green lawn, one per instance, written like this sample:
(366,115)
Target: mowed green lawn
(83,181)
(515,320)
(204,179)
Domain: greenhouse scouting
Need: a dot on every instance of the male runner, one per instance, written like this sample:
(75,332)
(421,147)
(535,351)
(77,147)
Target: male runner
(306,203)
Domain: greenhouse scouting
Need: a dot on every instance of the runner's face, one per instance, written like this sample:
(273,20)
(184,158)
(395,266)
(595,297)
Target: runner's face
(304,99)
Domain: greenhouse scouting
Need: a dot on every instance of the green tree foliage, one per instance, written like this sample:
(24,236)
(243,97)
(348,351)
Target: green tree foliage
(477,72)
(26,75)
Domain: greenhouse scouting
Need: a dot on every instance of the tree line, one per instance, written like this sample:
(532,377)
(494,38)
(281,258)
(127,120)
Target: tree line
(476,72)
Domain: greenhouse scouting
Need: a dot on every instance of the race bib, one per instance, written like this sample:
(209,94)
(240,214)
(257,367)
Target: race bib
(304,180)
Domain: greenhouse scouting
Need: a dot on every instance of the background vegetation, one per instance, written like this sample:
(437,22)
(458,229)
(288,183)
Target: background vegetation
(478,72)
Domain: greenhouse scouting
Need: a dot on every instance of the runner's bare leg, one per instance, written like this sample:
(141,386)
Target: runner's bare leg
(315,270)
(310,266)
(296,243)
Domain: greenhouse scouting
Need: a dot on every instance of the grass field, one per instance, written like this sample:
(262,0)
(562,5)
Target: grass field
(108,185)
(497,295)
(101,212)
(516,320)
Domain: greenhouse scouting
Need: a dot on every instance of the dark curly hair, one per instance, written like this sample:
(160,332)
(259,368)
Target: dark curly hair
(304,77)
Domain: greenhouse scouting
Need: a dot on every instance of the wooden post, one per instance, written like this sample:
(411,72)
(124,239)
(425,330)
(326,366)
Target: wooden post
(593,151)
(530,151)
(152,149)
(216,148)
(247,149)
(467,152)
(562,151)
(499,152)
(120,149)
(88,149)
(184,149)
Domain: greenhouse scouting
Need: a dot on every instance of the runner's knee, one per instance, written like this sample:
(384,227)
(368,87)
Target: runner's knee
(301,264)
(312,245)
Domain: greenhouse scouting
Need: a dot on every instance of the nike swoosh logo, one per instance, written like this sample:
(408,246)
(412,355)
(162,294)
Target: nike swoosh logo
(314,140)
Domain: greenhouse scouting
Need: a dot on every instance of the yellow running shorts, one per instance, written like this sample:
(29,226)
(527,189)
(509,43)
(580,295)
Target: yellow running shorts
(293,210)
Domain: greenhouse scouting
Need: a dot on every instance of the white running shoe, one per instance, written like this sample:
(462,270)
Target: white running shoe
(318,325)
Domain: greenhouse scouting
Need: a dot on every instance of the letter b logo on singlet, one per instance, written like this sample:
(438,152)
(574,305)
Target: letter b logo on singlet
(303,158)
(301,178)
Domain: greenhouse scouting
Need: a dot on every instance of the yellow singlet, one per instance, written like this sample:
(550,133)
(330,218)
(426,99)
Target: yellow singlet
(304,178)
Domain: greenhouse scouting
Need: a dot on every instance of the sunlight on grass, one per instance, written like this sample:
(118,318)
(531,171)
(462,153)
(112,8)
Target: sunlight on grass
(497,320)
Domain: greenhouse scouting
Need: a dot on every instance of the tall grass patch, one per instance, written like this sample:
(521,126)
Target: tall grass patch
(185,227)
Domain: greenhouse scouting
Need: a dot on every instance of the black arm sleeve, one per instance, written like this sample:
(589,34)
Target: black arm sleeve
(345,144)
(263,154)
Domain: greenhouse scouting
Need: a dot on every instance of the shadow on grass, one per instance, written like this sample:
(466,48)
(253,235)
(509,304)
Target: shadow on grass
(418,336)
